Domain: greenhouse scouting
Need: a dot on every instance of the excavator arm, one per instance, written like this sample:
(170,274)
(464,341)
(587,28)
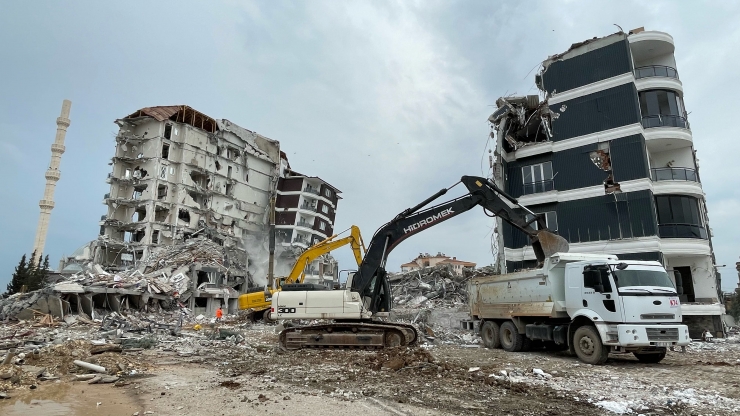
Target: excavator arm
(370,280)
(298,274)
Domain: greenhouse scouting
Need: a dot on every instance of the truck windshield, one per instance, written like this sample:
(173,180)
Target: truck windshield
(642,277)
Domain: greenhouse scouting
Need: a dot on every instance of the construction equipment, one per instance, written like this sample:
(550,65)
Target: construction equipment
(259,299)
(357,310)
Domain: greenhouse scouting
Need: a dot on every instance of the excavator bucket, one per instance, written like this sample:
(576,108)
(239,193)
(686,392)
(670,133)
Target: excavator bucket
(548,244)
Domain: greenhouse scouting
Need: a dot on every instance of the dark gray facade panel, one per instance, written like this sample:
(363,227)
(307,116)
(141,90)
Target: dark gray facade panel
(603,110)
(593,66)
(629,158)
(607,217)
(573,169)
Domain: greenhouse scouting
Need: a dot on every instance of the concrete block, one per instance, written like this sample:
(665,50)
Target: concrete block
(86,304)
(55,307)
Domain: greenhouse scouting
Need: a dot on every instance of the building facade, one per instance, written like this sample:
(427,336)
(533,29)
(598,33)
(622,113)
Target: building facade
(305,210)
(608,159)
(427,260)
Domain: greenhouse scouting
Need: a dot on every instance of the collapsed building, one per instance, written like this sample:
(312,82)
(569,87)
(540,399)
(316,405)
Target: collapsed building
(607,158)
(182,180)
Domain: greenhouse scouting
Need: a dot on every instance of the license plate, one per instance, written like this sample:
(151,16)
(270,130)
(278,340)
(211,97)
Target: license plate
(663,344)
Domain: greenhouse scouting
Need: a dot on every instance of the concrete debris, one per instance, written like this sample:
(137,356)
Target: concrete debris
(521,121)
(429,286)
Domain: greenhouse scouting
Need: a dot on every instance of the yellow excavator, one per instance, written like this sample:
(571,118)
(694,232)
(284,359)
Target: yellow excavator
(260,299)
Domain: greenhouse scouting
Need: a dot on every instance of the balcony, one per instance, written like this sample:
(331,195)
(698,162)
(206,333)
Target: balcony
(538,187)
(311,190)
(308,207)
(682,231)
(664,121)
(656,71)
(306,224)
(673,174)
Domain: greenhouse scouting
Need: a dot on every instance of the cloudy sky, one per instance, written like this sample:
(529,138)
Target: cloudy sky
(386,100)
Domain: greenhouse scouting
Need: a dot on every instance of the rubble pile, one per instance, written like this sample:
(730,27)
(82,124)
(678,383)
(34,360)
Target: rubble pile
(429,287)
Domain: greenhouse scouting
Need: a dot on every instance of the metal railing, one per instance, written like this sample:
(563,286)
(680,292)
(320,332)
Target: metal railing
(537,187)
(308,207)
(682,231)
(656,71)
(664,121)
(311,190)
(305,224)
(674,174)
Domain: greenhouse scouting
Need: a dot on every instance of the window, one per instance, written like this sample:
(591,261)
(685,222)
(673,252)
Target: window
(662,108)
(228,175)
(163,173)
(537,178)
(679,217)
(551,220)
(322,225)
(325,209)
(161,191)
(327,192)
(167,131)
(165,151)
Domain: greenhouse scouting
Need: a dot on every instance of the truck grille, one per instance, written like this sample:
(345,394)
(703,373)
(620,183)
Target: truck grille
(658,316)
(660,334)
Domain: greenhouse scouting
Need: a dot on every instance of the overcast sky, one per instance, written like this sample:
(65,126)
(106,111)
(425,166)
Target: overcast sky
(387,101)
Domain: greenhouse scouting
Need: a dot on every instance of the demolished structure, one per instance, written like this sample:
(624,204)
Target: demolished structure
(427,260)
(607,158)
(189,213)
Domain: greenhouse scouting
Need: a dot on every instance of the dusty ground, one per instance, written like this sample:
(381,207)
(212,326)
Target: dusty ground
(197,376)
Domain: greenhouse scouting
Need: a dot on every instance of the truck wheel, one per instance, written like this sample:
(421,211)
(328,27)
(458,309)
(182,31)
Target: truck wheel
(511,339)
(588,346)
(489,332)
(650,358)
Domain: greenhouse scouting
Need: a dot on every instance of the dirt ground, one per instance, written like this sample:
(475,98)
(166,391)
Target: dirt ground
(196,376)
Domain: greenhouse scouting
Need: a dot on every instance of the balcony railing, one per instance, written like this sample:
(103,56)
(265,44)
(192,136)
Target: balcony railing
(311,190)
(664,121)
(308,207)
(656,71)
(674,174)
(682,231)
(537,187)
(305,224)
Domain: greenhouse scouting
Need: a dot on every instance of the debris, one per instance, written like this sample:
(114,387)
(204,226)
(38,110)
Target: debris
(89,366)
(9,356)
(99,349)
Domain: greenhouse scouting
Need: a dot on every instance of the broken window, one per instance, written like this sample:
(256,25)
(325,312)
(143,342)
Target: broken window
(137,236)
(218,165)
(551,220)
(228,175)
(229,189)
(155,237)
(184,215)
(139,214)
(232,153)
(138,191)
(160,214)
(537,178)
(161,191)
(127,174)
(167,132)
(165,151)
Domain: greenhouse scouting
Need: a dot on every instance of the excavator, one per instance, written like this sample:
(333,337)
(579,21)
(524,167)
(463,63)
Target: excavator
(354,316)
(260,300)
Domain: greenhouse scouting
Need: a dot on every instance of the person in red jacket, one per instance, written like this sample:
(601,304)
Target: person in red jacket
(219,314)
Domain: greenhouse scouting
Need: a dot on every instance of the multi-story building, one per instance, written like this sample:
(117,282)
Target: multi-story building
(427,260)
(178,173)
(608,159)
(304,215)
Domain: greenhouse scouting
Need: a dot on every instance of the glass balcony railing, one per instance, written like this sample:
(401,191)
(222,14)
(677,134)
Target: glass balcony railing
(656,71)
(537,187)
(311,190)
(682,231)
(305,224)
(664,121)
(674,174)
(308,207)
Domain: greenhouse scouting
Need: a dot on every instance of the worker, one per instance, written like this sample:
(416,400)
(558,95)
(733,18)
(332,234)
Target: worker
(219,314)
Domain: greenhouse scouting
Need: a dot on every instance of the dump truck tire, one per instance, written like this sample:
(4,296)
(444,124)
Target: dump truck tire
(588,346)
(489,333)
(511,339)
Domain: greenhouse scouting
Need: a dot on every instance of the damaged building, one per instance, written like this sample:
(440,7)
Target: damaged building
(181,180)
(607,157)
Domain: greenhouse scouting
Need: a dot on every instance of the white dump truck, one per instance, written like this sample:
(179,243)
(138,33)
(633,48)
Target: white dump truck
(593,304)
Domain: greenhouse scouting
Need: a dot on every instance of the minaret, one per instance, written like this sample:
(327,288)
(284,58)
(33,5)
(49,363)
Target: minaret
(52,176)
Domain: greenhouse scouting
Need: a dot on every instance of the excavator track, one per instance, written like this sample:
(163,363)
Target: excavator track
(370,335)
